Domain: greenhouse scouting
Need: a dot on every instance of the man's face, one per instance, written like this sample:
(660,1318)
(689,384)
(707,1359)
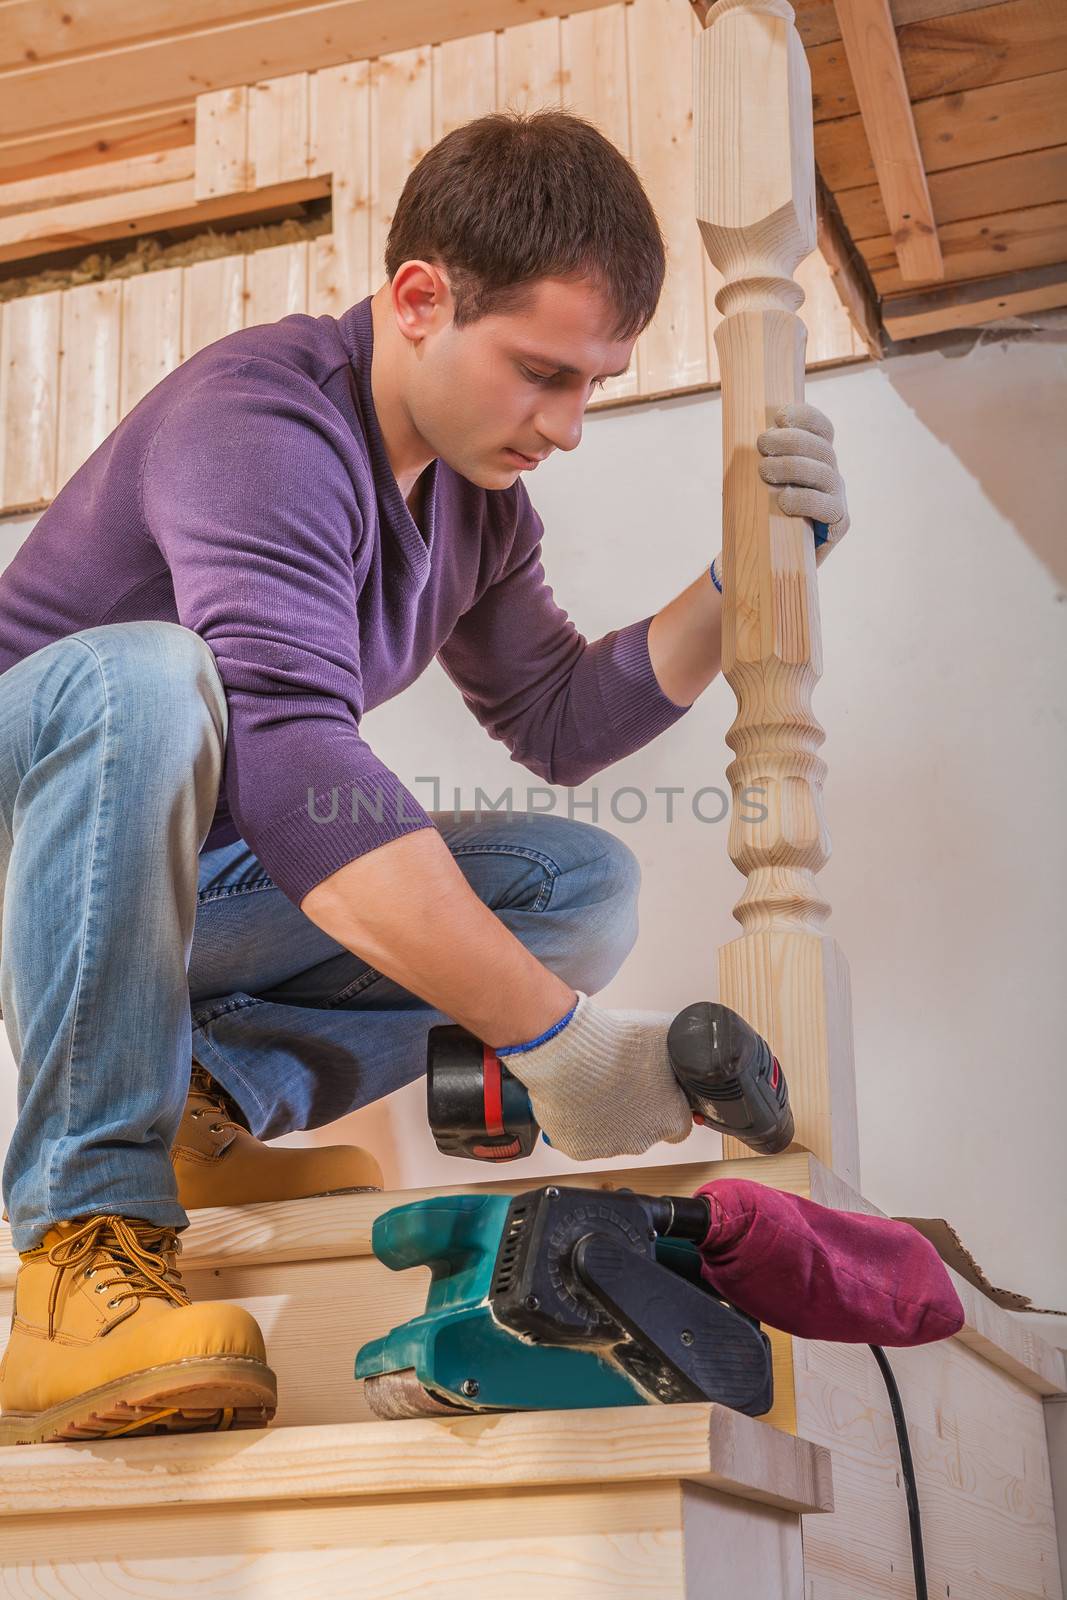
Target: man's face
(515,382)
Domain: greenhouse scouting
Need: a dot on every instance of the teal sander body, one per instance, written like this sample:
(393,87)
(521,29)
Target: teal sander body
(556,1299)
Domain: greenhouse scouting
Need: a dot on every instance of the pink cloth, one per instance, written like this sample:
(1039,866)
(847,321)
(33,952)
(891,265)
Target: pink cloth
(825,1274)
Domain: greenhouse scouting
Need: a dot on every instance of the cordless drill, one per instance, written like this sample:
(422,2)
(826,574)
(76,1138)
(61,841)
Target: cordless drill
(478,1109)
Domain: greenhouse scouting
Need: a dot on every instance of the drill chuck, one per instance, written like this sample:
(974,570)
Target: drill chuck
(731,1077)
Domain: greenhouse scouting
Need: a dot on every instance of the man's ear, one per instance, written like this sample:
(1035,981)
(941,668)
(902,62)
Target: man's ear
(421,299)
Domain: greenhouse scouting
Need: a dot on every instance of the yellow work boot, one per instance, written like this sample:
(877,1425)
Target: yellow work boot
(218,1162)
(106,1342)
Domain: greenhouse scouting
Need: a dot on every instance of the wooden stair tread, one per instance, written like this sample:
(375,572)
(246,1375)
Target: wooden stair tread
(340,1225)
(706,1444)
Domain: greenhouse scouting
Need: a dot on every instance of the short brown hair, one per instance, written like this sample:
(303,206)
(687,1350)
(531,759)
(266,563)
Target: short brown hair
(513,197)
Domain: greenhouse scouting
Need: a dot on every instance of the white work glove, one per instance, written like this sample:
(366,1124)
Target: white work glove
(603,1085)
(799,461)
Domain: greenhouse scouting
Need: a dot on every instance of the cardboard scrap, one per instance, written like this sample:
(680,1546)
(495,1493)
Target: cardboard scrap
(955,1254)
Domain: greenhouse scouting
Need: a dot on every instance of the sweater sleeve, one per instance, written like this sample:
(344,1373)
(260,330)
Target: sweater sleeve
(564,707)
(256,515)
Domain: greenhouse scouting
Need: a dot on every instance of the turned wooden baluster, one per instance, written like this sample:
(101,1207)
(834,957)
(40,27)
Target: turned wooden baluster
(755,188)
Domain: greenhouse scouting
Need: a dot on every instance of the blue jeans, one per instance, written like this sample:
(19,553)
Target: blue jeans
(126,951)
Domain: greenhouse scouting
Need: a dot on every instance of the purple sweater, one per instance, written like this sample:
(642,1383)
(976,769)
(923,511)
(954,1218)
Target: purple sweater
(249,497)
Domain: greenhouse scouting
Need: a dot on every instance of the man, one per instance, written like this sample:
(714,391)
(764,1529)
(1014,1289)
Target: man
(205,860)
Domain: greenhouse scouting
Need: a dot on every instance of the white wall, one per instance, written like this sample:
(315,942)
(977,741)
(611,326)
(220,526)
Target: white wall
(943,698)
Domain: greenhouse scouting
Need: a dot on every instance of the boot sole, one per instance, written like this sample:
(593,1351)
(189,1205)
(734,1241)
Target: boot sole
(198,1394)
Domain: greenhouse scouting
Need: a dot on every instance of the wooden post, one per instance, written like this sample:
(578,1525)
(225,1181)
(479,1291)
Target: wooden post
(755,191)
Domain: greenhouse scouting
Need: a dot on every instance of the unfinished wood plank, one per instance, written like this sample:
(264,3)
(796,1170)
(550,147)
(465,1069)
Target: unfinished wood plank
(341,137)
(999,120)
(29,399)
(276,282)
(170,205)
(324,281)
(581,1543)
(706,1444)
(751,1554)
(33,35)
(831,335)
(817,20)
(212,301)
(41,155)
(222,157)
(673,351)
(278,130)
(713,282)
(90,348)
(89,221)
(1034,237)
(850,279)
(955,130)
(981,1466)
(969,305)
(529,68)
(593,67)
(870,43)
(95,182)
(997,44)
(464,81)
(401,121)
(713,278)
(151,332)
(986,188)
(593,57)
(146,73)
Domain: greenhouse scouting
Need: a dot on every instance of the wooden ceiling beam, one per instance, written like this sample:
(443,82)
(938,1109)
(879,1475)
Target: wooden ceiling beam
(1033,236)
(970,305)
(870,42)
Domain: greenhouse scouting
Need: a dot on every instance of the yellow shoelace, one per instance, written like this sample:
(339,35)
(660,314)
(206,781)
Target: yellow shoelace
(142,1271)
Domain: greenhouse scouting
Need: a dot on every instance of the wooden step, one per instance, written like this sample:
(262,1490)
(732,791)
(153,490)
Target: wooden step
(634,1502)
(705,1444)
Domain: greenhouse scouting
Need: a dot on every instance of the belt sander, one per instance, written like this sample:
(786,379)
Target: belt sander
(556,1299)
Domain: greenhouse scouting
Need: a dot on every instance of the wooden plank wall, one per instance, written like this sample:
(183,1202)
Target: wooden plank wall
(73,362)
